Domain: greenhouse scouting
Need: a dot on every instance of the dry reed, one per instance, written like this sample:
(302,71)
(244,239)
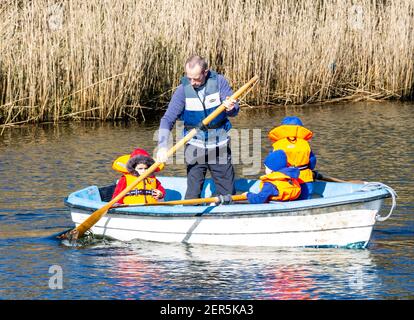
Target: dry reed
(104,59)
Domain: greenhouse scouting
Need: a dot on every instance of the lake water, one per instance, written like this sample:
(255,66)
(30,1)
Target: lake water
(41,164)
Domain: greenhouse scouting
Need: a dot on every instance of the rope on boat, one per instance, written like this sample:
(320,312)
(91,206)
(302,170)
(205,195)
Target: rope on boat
(391,191)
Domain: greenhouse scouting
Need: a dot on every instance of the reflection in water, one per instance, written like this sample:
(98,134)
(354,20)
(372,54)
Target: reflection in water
(180,271)
(289,284)
(41,164)
(138,277)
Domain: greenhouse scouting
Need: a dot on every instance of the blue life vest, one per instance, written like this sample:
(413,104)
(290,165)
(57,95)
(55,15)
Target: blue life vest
(197,110)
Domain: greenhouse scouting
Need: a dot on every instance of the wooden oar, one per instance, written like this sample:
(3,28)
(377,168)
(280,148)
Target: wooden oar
(219,199)
(323,177)
(224,199)
(95,216)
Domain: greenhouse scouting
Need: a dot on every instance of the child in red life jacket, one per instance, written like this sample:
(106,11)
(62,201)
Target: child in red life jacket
(148,190)
(280,181)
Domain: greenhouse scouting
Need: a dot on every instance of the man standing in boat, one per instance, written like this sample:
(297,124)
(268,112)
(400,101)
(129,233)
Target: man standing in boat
(200,93)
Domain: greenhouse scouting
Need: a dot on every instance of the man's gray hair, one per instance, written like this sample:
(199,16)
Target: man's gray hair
(196,60)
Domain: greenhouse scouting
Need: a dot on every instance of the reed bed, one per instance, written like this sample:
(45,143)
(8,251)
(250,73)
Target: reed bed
(105,59)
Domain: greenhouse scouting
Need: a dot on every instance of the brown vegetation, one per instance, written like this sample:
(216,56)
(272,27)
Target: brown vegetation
(104,59)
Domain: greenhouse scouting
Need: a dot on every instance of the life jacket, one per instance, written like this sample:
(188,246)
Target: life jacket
(141,193)
(288,187)
(293,140)
(120,164)
(197,110)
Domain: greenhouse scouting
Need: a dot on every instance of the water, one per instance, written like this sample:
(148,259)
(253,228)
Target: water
(40,165)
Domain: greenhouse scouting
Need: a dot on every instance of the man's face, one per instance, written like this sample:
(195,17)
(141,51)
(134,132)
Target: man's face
(196,76)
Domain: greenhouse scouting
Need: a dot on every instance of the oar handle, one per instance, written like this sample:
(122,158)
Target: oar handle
(235,96)
(211,117)
(318,176)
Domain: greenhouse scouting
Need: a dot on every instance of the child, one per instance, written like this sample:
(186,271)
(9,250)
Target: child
(149,190)
(280,181)
(293,138)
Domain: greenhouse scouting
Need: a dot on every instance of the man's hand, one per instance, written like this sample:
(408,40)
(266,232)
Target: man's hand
(162,155)
(229,103)
(157,194)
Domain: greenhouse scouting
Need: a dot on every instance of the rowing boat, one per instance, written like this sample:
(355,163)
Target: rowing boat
(338,215)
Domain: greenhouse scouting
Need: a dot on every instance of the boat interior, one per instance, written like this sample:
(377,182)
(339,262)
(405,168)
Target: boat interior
(176,187)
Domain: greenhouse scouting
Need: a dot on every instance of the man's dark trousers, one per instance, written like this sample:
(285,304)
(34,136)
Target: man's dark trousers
(218,161)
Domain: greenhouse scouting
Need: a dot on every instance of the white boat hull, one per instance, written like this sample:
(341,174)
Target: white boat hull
(345,225)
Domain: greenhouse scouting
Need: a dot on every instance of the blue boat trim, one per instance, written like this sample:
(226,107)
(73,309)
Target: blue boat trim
(354,245)
(235,214)
(89,200)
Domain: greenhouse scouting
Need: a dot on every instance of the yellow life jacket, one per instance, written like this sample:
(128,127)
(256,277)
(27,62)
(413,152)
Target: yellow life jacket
(288,130)
(142,191)
(289,188)
(293,140)
(121,162)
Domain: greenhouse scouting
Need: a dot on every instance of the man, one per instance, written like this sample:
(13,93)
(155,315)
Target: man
(200,93)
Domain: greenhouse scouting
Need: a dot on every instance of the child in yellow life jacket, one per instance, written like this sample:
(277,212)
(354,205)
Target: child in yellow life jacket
(149,190)
(280,181)
(293,138)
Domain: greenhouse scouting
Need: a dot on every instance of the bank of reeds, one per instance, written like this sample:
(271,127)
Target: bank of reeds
(104,59)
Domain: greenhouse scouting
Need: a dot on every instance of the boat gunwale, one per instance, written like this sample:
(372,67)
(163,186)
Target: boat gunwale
(230,214)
